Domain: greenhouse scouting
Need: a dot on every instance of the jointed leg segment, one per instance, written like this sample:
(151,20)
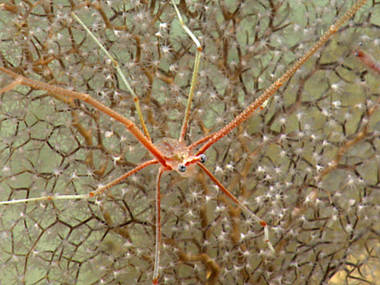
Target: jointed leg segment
(89,100)
(271,90)
(158,228)
(12,85)
(121,74)
(194,76)
(240,205)
(89,195)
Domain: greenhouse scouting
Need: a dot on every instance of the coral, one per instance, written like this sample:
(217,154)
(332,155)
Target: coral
(308,163)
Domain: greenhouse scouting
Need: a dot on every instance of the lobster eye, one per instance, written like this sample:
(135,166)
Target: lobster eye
(181,168)
(203,158)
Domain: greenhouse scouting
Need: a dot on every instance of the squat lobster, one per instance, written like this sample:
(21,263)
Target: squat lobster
(173,154)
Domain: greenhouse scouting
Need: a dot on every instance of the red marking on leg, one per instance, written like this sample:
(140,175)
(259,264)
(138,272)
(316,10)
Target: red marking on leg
(91,194)
(359,53)
(367,60)
(155,281)
(263,224)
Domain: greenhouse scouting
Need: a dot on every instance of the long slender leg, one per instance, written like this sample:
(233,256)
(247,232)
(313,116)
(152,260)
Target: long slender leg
(91,194)
(201,141)
(121,74)
(158,228)
(271,90)
(134,130)
(240,205)
(11,86)
(194,76)
(208,137)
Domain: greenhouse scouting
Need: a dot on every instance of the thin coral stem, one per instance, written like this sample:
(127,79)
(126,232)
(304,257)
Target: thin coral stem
(134,130)
(269,92)
(95,193)
(239,204)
